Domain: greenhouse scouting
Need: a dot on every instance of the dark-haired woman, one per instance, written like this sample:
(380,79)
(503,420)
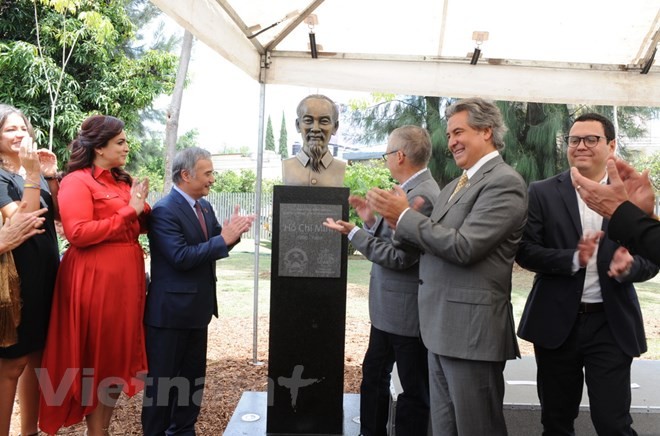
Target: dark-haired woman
(22,171)
(95,347)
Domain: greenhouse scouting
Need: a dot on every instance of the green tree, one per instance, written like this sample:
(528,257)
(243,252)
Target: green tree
(99,77)
(284,146)
(188,139)
(230,181)
(371,122)
(534,146)
(149,162)
(143,14)
(360,177)
(650,162)
(629,121)
(151,34)
(270,138)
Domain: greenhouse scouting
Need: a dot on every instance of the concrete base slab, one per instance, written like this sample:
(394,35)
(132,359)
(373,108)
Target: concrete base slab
(249,418)
(523,411)
(521,405)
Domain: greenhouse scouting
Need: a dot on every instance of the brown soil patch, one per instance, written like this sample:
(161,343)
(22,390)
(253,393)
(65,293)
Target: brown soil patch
(230,372)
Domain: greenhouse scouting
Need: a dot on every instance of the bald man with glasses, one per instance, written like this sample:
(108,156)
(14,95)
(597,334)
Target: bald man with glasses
(582,314)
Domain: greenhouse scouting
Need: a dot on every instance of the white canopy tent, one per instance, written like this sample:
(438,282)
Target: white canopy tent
(566,51)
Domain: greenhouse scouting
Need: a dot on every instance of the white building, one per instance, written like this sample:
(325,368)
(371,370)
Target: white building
(271,169)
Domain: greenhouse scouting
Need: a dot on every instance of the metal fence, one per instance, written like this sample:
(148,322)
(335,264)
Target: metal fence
(223,205)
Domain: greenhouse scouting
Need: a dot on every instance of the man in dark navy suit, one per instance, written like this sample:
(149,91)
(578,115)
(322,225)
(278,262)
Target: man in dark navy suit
(582,315)
(185,240)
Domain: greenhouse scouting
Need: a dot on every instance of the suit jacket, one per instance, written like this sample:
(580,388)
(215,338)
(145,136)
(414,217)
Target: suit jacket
(637,231)
(547,248)
(467,250)
(182,291)
(395,271)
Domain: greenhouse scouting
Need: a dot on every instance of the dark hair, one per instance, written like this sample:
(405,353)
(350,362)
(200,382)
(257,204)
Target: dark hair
(608,127)
(482,114)
(94,134)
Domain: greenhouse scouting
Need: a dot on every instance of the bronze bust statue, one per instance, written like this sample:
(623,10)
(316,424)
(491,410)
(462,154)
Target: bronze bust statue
(314,165)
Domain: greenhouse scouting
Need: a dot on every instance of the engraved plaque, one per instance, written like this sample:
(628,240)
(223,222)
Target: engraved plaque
(307,312)
(307,248)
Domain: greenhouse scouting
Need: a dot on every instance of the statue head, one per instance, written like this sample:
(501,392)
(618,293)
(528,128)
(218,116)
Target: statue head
(318,120)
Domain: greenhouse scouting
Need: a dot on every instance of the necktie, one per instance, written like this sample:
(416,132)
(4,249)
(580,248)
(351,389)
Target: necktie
(200,217)
(461,182)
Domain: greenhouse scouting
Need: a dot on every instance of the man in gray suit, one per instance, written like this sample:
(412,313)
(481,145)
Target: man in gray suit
(467,245)
(393,294)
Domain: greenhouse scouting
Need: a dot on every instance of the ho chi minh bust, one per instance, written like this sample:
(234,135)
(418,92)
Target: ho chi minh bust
(314,165)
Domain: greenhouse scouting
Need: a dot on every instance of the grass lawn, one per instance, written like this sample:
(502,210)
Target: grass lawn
(236,282)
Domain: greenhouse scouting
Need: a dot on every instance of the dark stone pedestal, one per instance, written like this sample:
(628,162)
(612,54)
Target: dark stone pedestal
(307,312)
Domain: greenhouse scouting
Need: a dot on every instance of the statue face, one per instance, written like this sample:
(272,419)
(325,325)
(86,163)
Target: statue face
(316,125)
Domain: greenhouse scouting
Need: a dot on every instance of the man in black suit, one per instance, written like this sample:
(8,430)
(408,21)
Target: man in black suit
(185,240)
(629,202)
(582,313)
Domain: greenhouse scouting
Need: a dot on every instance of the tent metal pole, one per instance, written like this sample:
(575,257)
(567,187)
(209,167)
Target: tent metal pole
(257,233)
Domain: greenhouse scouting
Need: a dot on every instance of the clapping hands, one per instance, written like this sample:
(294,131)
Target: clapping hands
(20,226)
(27,153)
(235,226)
(139,193)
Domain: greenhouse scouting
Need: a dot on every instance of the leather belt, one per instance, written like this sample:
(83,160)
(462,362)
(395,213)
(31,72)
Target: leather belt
(590,307)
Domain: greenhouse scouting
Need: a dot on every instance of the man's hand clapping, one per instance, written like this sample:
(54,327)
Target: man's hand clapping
(235,226)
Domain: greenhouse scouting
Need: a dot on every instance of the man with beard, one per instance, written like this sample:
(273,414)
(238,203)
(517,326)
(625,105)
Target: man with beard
(314,165)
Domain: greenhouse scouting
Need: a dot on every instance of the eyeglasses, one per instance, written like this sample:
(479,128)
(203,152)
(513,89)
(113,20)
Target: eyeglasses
(590,141)
(388,153)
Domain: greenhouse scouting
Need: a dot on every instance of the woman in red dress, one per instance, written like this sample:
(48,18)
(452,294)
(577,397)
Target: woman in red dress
(95,345)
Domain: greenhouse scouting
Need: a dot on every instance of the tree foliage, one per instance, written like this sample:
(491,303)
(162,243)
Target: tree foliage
(150,160)
(533,141)
(99,77)
(270,137)
(360,177)
(231,181)
(373,123)
(142,14)
(650,162)
(284,146)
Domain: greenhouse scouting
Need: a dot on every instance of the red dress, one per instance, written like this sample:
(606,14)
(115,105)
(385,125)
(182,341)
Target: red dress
(96,336)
